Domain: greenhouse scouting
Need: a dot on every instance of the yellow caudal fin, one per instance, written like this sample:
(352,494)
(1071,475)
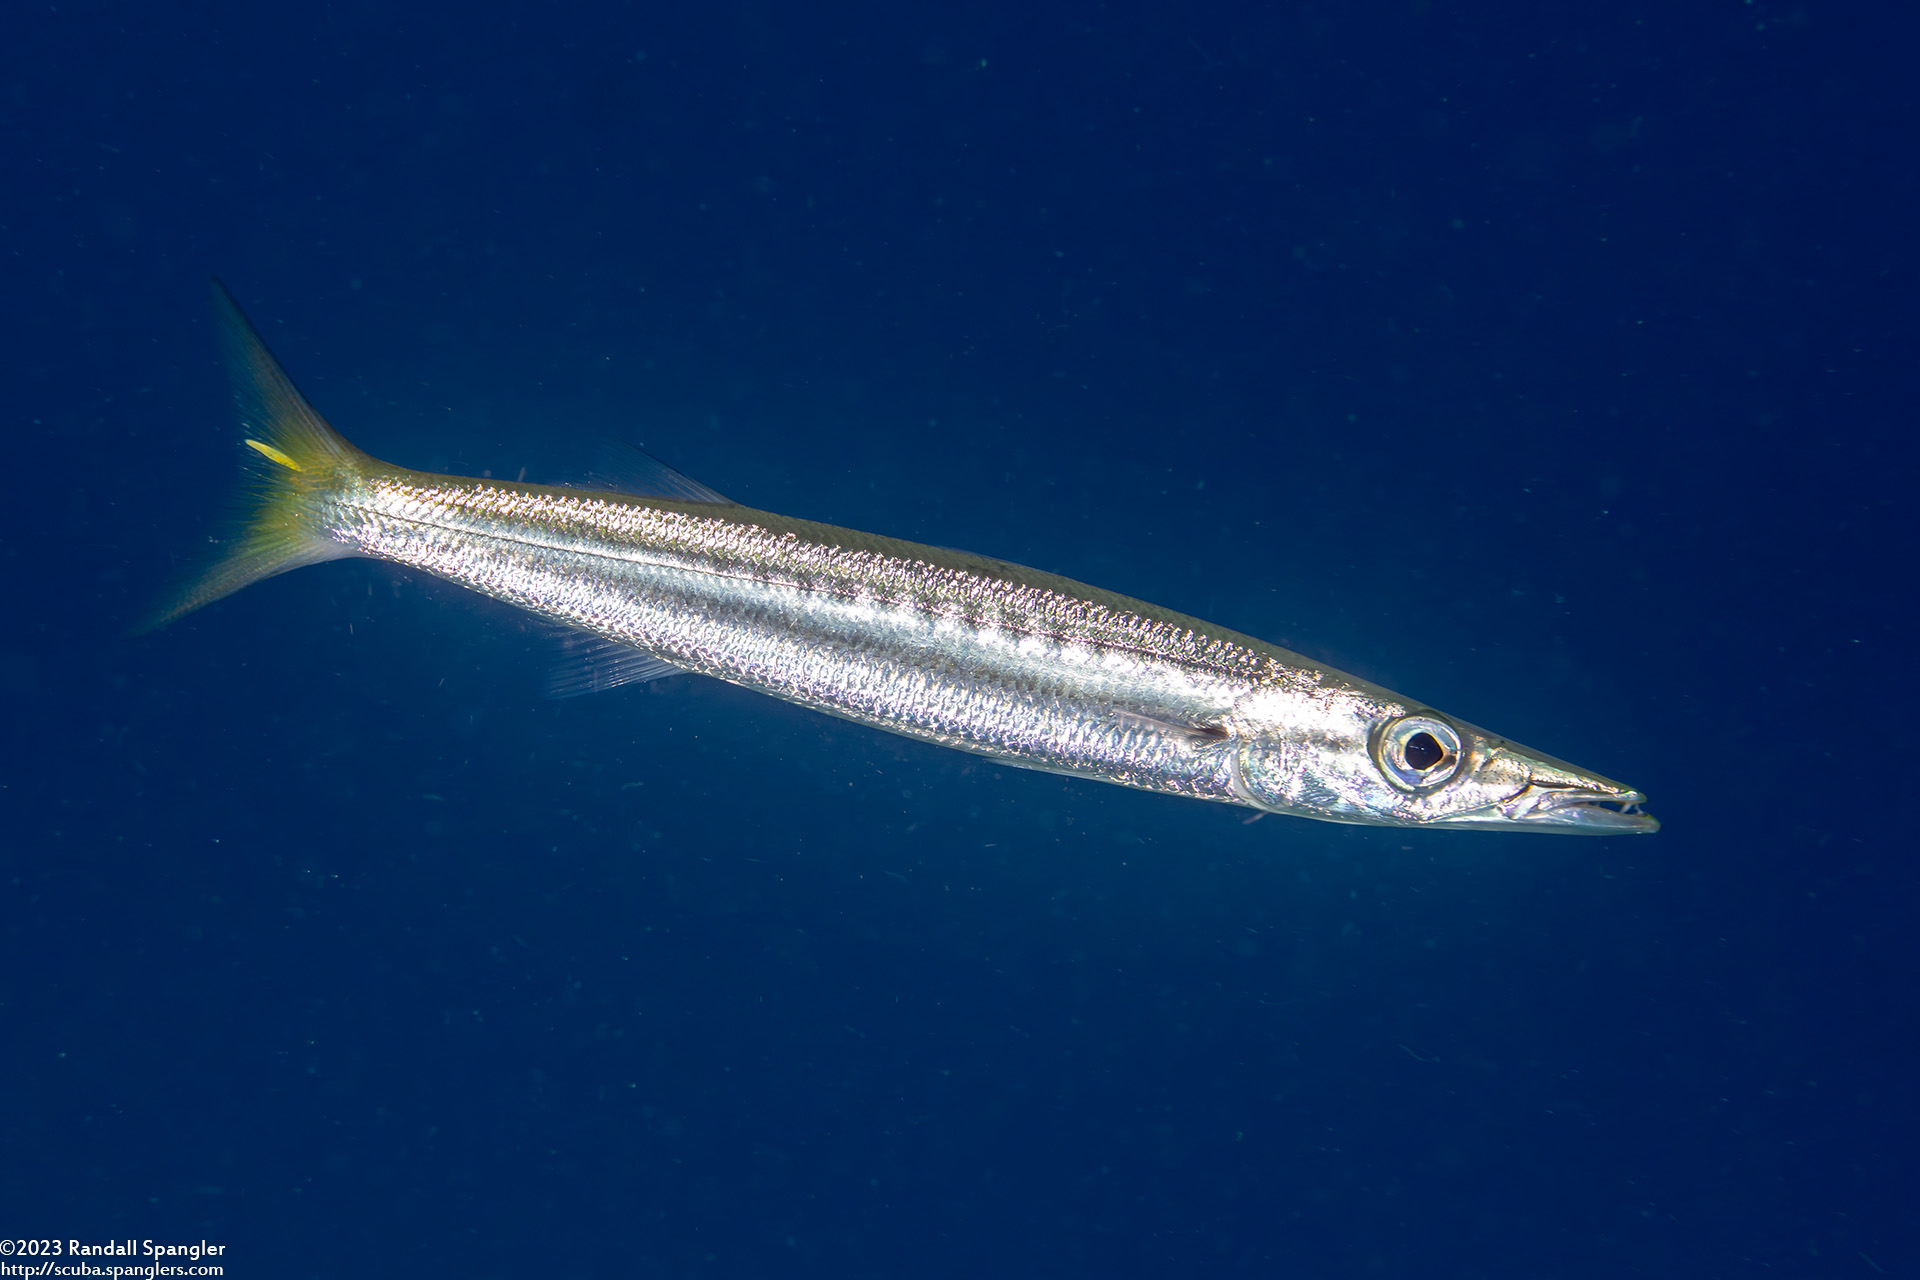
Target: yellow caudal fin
(294,458)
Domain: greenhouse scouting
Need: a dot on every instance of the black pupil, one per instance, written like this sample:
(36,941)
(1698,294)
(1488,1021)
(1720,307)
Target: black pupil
(1424,751)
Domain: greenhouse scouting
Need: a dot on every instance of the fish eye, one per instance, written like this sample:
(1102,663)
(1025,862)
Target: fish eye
(1416,752)
(1424,751)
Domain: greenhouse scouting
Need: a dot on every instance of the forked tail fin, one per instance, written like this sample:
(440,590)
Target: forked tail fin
(293,457)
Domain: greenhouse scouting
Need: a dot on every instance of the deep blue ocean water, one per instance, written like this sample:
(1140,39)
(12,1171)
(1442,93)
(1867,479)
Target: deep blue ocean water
(1552,367)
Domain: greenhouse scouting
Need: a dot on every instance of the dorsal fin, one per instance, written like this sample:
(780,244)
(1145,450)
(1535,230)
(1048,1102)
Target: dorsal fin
(628,468)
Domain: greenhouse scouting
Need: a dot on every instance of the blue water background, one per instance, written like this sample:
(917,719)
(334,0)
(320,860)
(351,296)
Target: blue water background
(1551,366)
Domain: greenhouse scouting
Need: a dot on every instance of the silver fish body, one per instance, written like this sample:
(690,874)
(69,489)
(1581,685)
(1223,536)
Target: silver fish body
(1022,666)
(938,645)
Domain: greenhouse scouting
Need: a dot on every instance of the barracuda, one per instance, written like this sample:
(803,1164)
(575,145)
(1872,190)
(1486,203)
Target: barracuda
(1024,667)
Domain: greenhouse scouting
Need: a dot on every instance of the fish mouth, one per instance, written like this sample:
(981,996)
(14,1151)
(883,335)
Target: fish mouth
(1593,812)
(1551,807)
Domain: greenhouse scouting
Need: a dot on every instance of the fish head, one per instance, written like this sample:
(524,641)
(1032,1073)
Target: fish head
(1364,756)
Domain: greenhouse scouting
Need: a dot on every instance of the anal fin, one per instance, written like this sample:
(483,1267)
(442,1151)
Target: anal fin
(594,664)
